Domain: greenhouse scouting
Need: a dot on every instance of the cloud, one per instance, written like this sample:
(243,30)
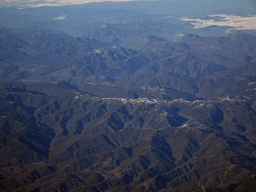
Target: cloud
(40,3)
(233,21)
(61,17)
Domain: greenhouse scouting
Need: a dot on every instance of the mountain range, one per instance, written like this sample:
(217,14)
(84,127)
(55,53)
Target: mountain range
(126,112)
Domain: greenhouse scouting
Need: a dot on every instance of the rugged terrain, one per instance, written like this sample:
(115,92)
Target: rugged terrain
(78,114)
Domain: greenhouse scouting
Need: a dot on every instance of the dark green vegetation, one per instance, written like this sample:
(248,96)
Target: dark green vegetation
(80,115)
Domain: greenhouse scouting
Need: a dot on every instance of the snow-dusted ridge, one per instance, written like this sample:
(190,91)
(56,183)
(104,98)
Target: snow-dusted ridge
(133,101)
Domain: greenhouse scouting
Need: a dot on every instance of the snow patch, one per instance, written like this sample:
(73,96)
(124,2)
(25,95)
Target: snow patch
(97,51)
(151,101)
(181,100)
(251,83)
